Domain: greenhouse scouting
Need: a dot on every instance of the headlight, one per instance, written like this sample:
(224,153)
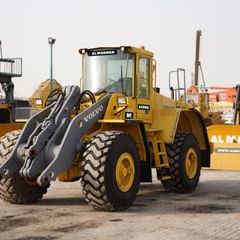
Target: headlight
(122,100)
(38,101)
(82,51)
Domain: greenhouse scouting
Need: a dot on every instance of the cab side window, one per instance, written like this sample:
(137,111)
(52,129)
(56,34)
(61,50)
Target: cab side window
(144,76)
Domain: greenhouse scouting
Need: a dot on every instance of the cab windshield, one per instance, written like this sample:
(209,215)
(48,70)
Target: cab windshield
(108,71)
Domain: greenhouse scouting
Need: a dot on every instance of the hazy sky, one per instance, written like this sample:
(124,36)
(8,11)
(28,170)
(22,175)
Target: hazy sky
(166,27)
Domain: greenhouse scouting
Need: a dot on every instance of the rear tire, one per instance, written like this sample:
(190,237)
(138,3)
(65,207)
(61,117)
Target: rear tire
(110,171)
(16,189)
(185,164)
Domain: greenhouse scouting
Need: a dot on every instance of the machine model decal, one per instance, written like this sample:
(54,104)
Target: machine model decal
(228,150)
(102,52)
(225,139)
(93,113)
(129,115)
(143,107)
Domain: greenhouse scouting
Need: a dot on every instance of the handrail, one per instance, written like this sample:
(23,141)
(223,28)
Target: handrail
(11,67)
(177,91)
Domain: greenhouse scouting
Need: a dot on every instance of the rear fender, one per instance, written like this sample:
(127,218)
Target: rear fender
(191,120)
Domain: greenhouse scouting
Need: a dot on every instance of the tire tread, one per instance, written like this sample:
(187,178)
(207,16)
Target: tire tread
(13,189)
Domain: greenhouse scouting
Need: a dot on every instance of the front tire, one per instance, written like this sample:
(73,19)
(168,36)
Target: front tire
(185,164)
(110,171)
(16,189)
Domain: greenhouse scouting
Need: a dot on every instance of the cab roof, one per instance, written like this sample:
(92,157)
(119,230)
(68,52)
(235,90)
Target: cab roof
(130,49)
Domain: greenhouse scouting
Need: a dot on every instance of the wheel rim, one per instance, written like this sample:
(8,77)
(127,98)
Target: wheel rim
(191,163)
(125,172)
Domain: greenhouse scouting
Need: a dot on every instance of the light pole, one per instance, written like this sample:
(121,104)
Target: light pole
(51,41)
(1,49)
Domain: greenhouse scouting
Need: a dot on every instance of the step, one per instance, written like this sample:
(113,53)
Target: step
(164,165)
(162,153)
(166,177)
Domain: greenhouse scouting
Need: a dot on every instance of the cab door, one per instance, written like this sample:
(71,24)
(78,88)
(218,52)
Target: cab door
(144,88)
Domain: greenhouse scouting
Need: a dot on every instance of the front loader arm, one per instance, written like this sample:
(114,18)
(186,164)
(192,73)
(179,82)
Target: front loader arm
(65,154)
(37,132)
(44,151)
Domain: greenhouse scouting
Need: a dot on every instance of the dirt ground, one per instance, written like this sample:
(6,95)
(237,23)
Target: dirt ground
(211,212)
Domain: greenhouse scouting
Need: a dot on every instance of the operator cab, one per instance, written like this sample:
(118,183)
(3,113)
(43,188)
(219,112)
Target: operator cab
(126,70)
(108,70)
(115,69)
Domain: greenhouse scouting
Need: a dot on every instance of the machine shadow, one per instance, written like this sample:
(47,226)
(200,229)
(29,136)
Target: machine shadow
(217,196)
(66,201)
(213,196)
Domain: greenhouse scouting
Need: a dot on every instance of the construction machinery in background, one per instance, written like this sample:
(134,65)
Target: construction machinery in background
(220,108)
(111,134)
(226,141)
(222,99)
(40,97)
(198,95)
(214,102)
(9,68)
(216,105)
(222,94)
(15,112)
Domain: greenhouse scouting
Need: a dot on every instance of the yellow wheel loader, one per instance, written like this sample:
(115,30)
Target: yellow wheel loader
(42,95)
(109,133)
(15,112)
(9,68)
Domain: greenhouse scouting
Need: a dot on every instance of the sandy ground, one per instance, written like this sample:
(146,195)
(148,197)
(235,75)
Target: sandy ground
(211,212)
